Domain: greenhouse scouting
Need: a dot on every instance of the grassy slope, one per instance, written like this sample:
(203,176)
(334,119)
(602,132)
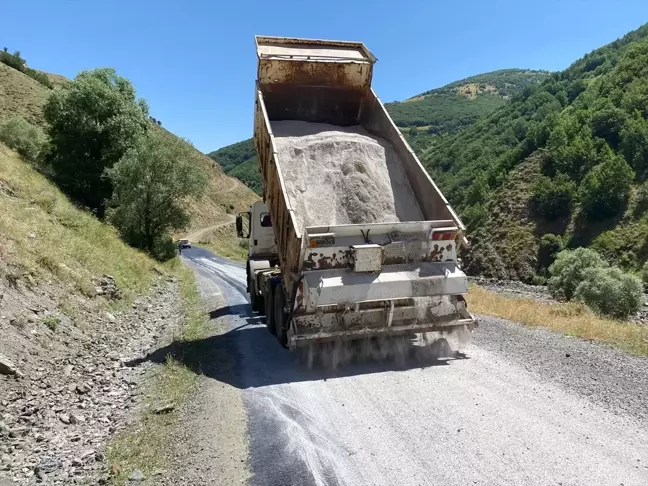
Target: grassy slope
(45,236)
(20,95)
(429,115)
(510,147)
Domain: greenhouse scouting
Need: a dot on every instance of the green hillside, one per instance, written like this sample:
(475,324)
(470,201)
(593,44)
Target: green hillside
(425,118)
(461,103)
(568,157)
(240,160)
(23,96)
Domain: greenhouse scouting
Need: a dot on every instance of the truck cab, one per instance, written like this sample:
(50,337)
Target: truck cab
(256,225)
(259,230)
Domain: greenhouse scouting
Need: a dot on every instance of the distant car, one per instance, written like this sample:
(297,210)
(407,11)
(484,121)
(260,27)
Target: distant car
(185,244)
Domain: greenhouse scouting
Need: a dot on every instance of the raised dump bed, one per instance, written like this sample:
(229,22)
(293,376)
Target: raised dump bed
(365,241)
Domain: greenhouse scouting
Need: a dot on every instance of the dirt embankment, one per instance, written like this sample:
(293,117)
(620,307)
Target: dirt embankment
(66,388)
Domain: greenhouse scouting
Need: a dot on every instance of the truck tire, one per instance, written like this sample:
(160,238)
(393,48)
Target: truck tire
(268,298)
(255,299)
(280,316)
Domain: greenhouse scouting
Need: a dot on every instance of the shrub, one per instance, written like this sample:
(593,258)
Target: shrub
(23,137)
(552,198)
(611,292)
(18,63)
(52,322)
(568,271)
(642,199)
(475,216)
(644,275)
(550,245)
(605,188)
(12,60)
(38,76)
(538,280)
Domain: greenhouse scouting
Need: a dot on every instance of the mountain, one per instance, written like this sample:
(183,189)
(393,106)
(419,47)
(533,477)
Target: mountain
(459,104)
(21,95)
(424,118)
(568,157)
(240,160)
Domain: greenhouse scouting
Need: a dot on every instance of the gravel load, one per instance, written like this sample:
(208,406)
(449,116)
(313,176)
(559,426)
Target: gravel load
(342,175)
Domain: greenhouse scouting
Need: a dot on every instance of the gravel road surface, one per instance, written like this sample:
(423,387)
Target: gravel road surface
(525,406)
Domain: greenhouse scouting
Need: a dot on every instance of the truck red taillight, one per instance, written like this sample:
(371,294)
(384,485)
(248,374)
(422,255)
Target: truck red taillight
(443,234)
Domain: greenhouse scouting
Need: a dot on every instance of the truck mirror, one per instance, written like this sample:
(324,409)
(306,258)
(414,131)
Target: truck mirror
(239,226)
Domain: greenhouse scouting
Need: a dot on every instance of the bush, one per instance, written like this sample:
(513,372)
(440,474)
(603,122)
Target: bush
(550,245)
(538,280)
(644,275)
(568,271)
(12,60)
(611,292)
(552,198)
(23,137)
(642,199)
(605,188)
(475,216)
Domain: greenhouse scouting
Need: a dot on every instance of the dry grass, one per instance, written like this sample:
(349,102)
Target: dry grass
(21,95)
(224,242)
(572,319)
(46,236)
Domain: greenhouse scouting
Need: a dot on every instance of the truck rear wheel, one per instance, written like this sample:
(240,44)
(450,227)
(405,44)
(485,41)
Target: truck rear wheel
(255,298)
(280,316)
(268,298)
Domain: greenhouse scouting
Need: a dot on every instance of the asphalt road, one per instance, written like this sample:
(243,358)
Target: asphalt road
(523,407)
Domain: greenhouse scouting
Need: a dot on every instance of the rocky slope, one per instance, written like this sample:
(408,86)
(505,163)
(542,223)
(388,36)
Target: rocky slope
(69,391)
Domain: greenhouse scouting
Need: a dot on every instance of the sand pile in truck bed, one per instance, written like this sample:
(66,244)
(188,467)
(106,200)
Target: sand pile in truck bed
(342,175)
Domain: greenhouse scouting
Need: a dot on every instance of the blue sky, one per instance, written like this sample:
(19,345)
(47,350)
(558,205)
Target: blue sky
(194,61)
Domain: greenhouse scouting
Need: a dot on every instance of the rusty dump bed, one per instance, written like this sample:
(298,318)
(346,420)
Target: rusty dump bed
(323,273)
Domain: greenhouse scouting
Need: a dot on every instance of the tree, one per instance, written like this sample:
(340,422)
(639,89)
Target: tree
(550,245)
(92,123)
(477,192)
(634,144)
(552,198)
(605,188)
(568,271)
(151,183)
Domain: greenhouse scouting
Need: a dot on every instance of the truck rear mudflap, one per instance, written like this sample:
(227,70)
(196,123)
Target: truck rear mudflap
(396,317)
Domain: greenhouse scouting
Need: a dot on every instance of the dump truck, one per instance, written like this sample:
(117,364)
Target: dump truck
(315,281)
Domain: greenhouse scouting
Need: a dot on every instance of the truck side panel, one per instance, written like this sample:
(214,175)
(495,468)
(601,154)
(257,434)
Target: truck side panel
(287,237)
(433,203)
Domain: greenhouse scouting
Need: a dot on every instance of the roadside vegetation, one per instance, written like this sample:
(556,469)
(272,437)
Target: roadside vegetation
(46,237)
(570,318)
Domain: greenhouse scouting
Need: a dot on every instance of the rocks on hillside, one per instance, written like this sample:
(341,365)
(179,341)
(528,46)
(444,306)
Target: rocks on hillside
(75,391)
